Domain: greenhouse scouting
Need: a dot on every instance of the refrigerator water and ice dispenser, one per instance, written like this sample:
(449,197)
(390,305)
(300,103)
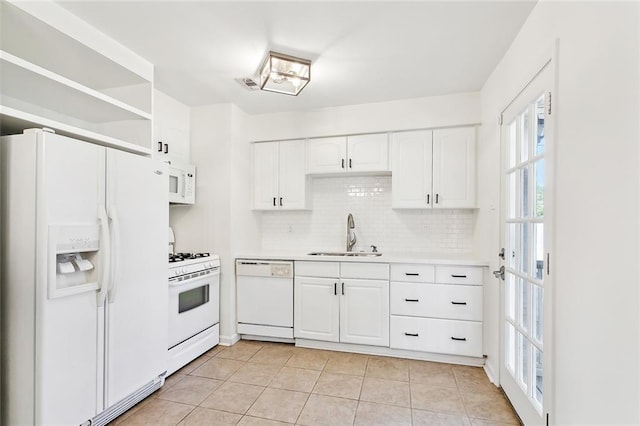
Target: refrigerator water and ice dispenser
(74,259)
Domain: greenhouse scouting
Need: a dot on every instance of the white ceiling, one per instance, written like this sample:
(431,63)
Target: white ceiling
(361,51)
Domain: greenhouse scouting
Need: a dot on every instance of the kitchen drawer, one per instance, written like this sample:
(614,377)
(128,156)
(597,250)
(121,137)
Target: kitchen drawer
(412,272)
(365,271)
(436,335)
(317,269)
(462,302)
(470,275)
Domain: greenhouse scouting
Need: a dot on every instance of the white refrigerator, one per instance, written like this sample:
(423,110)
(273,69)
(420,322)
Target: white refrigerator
(84,279)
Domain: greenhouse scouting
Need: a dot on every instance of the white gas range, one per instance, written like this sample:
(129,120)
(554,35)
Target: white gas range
(194,308)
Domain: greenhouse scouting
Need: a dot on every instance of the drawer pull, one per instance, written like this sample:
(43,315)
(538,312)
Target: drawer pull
(460,339)
(458,303)
(458,276)
(412,274)
(413,334)
(411,300)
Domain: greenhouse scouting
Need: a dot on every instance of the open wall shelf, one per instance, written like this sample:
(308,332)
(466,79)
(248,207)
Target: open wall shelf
(56,71)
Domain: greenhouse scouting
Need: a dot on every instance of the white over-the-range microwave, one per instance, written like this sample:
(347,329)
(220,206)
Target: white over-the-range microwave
(182,183)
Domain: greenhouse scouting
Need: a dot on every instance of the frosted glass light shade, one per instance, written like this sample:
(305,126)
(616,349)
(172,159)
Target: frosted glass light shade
(286,74)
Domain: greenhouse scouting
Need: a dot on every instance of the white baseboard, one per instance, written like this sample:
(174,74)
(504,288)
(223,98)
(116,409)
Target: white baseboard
(385,351)
(491,374)
(229,340)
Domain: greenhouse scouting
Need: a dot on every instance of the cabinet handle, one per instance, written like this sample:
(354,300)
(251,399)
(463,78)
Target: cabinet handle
(159,146)
(459,339)
(411,334)
(343,289)
(274,201)
(335,289)
(349,162)
(280,201)
(411,300)
(458,276)
(343,163)
(412,274)
(166,148)
(428,198)
(458,303)
(437,196)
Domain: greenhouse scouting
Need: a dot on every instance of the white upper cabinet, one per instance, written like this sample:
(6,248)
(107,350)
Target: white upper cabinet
(359,153)
(411,174)
(87,86)
(454,165)
(171,129)
(279,180)
(433,169)
(326,155)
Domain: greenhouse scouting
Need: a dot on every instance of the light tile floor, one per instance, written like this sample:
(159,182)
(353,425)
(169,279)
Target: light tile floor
(258,383)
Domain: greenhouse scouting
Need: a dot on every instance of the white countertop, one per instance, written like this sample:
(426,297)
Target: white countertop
(424,258)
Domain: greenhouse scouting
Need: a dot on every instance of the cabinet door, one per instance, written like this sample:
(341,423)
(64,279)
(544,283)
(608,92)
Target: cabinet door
(316,309)
(364,312)
(454,168)
(368,153)
(265,175)
(292,178)
(411,169)
(327,155)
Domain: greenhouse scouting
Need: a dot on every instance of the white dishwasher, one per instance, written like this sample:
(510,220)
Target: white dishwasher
(265,299)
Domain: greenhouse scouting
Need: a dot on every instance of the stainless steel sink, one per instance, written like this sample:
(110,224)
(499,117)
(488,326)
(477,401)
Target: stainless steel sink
(344,253)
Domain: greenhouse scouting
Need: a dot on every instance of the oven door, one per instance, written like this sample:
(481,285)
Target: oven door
(193,306)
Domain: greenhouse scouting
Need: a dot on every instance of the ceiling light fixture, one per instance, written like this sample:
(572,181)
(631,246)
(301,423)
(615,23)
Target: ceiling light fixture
(286,74)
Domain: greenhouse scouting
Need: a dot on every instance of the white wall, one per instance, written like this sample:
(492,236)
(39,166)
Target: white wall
(595,261)
(436,111)
(221,220)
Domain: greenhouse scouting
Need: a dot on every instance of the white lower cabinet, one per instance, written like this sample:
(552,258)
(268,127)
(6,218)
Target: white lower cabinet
(340,308)
(426,308)
(316,309)
(437,335)
(364,312)
(436,310)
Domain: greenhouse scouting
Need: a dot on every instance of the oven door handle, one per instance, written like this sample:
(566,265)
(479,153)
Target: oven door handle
(188,281)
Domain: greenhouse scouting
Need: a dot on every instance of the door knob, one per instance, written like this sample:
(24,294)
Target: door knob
(499,273)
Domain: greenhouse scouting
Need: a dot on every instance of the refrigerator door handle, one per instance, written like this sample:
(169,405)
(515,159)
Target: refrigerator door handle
(105,257)
(113,286)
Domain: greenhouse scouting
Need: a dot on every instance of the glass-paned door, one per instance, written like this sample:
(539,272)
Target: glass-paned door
(526,135)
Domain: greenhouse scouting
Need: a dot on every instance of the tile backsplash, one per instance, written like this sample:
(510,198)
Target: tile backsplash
(368,198)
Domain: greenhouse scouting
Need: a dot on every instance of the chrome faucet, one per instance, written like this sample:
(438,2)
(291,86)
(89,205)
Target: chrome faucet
(351,235)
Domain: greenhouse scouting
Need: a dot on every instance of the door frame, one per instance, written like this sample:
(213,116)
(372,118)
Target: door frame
(548,60)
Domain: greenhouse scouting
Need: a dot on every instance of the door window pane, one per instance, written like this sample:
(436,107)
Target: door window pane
(540,125)
(523,252)
(510,250)
(523,362)
(510,296)
(538,312)
(510,348)
(538,172)
(538,246)
(524,192)
(523,304)
(512,146)
(512,195)
(538,376)
(524,136)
